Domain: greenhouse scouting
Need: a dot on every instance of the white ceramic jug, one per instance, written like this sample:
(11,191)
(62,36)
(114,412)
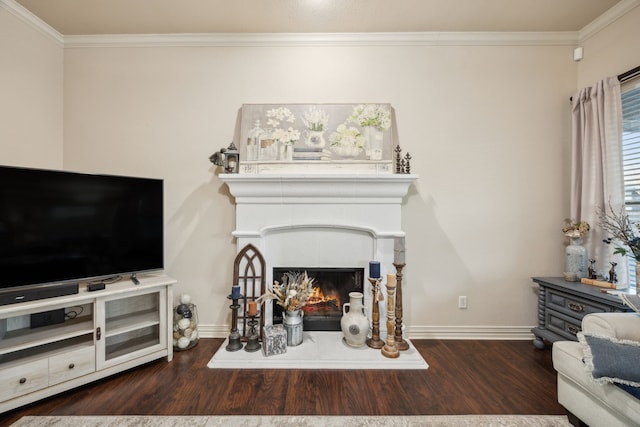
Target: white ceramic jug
(354,323)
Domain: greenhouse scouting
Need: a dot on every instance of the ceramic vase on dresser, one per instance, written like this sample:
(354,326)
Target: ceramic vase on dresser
(354,323)
(576,261)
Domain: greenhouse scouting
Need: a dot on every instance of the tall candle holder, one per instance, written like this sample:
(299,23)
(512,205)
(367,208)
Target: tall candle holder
(252,342)
(401,343)
(234,337)
(375,341)
(389,349)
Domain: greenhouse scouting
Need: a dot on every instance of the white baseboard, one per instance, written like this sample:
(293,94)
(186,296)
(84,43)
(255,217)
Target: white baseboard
(422,332)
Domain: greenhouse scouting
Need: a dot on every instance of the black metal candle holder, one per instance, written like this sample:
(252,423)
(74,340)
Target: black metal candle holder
(234,337)
(253,343)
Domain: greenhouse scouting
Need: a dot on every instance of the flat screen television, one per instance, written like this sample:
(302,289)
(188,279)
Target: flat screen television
(60,227)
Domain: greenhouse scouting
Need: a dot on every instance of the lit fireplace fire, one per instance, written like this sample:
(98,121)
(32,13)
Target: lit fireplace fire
(331,288)
(321,304)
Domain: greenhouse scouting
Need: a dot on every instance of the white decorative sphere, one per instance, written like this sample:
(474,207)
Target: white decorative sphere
(184,323)
(185,298)
(194,335)
(188,332)
(183,342)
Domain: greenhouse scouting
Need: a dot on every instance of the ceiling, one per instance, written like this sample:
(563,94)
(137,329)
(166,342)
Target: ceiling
(93,17)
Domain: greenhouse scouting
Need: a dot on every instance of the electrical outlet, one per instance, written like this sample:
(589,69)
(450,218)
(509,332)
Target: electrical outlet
(462,301)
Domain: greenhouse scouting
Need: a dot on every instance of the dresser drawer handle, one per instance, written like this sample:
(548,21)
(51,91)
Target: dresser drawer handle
(576,307)
(72,365)
(23,380)
(573,329)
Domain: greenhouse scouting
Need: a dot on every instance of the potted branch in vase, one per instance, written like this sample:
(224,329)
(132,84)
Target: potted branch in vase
(623,233)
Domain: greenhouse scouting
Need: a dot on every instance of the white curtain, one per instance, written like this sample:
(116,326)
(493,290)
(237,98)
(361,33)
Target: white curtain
(597,177)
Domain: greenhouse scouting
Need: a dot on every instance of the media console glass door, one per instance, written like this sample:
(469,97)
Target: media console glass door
(130,327)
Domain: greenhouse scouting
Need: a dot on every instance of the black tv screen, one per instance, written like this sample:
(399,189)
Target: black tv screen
(60,226)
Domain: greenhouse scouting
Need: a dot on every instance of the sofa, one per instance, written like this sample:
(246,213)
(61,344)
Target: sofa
(595,383)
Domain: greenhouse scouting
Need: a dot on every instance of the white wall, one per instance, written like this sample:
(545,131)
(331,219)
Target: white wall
(486,127)
(31,94)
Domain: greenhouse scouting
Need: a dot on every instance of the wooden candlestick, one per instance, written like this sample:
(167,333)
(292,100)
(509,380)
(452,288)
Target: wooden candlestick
(401,344)
(375,341)
(390,350)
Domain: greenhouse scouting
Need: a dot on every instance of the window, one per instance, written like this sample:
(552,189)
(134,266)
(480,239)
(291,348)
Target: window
(631,155)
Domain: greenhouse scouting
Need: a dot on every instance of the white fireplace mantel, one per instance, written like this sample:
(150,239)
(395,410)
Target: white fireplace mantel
(320,220)
(320,188)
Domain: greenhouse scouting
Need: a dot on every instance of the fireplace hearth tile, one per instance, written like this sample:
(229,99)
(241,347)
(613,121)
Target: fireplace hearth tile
(319,350)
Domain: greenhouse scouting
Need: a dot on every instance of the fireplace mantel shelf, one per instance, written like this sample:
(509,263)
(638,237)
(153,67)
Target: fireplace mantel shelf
(319,188)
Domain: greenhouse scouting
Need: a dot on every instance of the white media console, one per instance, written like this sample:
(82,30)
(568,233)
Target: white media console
(104,332)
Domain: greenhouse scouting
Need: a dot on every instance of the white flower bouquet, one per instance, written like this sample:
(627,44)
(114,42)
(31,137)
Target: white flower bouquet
(277,115)
(347,141)
(315,119)
(374,115)
(287,136)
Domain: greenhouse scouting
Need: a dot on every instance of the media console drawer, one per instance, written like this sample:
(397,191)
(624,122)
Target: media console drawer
(74,364)
(23,379)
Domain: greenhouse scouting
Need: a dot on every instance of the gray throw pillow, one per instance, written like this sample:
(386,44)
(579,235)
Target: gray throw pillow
(610,360)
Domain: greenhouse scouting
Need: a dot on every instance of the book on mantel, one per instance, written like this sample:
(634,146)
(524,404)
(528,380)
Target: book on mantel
(600,283)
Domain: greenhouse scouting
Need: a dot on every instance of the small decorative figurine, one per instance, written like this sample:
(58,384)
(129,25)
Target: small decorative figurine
(592,269)
(407,167)
(613,277)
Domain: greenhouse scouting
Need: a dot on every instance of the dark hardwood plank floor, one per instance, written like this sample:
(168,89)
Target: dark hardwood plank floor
(464,377)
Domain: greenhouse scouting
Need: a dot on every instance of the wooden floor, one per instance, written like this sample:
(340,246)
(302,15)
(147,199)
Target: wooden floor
(464,377)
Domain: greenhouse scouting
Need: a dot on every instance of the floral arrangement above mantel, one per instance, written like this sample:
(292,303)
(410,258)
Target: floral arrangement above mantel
(315,119)
(575,229)
(292,293)
(295,138)
(347,140)
(275,117)
(374,115)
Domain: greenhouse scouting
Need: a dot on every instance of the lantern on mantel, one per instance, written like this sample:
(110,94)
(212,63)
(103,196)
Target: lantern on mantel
(228,158)
(232,159)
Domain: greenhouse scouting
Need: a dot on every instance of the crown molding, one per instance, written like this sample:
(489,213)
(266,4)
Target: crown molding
(561,38)
(606,19)
(32,21)
(565,38)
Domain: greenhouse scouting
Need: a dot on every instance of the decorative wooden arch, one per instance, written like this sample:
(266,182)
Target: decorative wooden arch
(249,272)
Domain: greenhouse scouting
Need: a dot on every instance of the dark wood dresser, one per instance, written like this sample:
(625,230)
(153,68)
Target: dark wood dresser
(562,305)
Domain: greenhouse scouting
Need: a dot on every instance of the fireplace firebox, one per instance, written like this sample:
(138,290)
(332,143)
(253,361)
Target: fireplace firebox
(323,310)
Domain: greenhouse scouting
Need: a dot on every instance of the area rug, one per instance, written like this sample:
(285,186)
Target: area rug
(300,421)
(319,350)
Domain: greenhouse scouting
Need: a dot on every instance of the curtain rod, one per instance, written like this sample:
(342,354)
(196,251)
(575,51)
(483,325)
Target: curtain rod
(628,75)
(624,77)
